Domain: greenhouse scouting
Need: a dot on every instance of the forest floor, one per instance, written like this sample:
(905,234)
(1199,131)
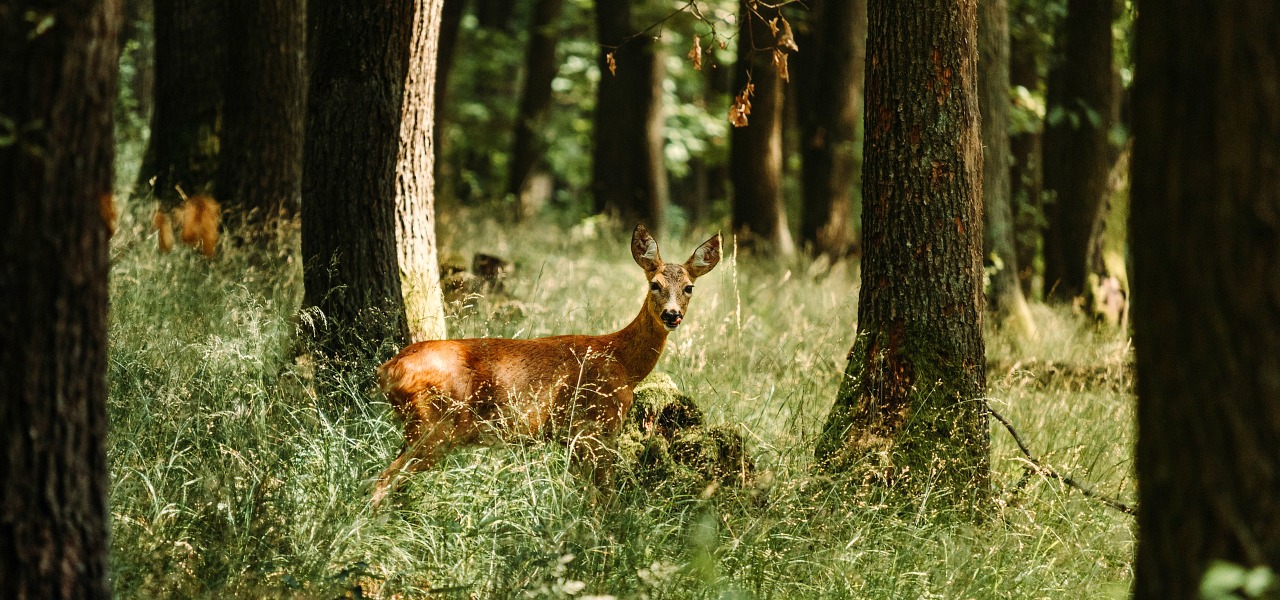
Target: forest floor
(234,474)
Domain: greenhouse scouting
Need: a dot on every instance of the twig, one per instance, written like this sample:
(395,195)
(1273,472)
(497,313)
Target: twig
(1048,471)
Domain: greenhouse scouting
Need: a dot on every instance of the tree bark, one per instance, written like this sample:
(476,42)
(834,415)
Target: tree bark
(359,68)
(415,178)
(829,84)
(628,176)
(261,169)
(1025,172)
(58,75)
(916,369)
(1005,299)
(755,151)
(190,58)
(1076,148)
(1205,226)
(535,100)
(450,22)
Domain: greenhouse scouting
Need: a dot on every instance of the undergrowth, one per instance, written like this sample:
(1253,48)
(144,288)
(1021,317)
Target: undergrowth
(233,477)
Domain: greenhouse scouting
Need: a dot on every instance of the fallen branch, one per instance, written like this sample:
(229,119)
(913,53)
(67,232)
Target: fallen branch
(1048,471)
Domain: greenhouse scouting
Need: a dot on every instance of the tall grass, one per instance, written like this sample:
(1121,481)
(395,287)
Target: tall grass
(233,477)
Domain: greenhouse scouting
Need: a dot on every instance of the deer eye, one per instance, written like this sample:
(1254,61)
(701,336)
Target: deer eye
(688,289)
(653,286)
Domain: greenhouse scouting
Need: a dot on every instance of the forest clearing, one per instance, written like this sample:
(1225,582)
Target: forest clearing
(937,299)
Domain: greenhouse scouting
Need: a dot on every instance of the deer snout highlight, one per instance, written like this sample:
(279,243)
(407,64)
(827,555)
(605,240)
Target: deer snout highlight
(671,318)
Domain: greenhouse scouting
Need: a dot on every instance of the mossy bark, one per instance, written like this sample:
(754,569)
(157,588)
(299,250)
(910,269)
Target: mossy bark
(915,375)
(1205,234)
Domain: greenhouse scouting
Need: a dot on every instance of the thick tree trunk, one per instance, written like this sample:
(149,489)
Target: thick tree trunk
(359,67)
(415,169)
(628,176)
(1005,299)
(191,47)
(57,85)
(915,372)
(1076,149)
(535,100)
(450,22)
(829,77)
(755,151)
(261,168)
(1205,225)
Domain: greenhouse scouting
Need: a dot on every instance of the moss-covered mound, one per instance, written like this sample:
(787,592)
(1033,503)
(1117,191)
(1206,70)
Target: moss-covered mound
(666,440)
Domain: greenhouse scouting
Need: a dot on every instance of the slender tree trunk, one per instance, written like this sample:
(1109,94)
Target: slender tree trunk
(1205,226)
(1005,299)
(191,47)
(415,199)
(359,67)
(1025,171)
(58,71)
(261,169)
(829,84)
(916,368)
(628,175)
(496,14)
(450,22)
(1076,147)
(535,100)
(755,151)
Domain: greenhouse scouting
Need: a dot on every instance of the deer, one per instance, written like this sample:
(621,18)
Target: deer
(575,389)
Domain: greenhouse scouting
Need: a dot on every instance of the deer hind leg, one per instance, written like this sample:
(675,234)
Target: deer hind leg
(428,436)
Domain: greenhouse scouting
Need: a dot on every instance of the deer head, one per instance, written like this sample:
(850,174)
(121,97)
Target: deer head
(671,285)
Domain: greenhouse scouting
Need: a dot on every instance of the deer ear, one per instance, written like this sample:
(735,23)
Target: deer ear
(645,250)
(705,258)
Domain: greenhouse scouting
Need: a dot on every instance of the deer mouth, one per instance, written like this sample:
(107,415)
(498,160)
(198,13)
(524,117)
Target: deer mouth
(671,323)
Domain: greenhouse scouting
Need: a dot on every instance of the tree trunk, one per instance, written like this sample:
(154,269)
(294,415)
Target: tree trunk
(1005,299)
(450,21)
(755,151)
(915,372)
(190,56)
(496,14)
(1076,148)
(829,83)
(359,68)
(58,71)
(1205,225)
(415,169)
(535,101)
(628,176)
(1025,171)
(261,169)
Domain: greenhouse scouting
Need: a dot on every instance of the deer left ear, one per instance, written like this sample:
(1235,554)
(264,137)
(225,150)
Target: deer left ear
(705,258)
(645,250)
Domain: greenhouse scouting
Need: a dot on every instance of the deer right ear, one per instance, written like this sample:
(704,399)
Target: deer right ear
(645,250)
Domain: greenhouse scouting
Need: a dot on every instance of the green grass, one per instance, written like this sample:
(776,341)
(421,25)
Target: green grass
(233,477)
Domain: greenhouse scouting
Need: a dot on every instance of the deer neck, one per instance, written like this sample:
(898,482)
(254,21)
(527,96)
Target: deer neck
(638,346)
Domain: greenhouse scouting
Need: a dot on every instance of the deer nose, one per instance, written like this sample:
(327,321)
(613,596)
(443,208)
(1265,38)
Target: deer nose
(672,317)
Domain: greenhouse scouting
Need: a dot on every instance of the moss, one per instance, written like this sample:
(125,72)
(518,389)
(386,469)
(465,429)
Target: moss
(666,442)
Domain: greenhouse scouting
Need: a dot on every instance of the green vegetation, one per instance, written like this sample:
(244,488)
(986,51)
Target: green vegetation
(232,477)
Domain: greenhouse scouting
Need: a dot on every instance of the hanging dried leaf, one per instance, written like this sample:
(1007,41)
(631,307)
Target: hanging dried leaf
(695,53)
(780,63)
(613,65)
(741,107)
(785,38)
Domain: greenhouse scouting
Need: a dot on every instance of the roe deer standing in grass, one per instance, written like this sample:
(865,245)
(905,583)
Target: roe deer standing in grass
(572,388)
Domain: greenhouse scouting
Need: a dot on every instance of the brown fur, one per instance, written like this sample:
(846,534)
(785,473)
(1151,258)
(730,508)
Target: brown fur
(164,228)
(573,388)
(200,216)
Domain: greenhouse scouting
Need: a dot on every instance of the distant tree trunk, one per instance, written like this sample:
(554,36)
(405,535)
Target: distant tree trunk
(1025,171)
(191,47)
(755,151)
(535,101)
(1205,226)
(628,175)
(261,169)
(1005,300)
(916,368)
(1076,147)
(829,81)
(359,67)
(496,14)
(450,22)
(415,169)
(57,85)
